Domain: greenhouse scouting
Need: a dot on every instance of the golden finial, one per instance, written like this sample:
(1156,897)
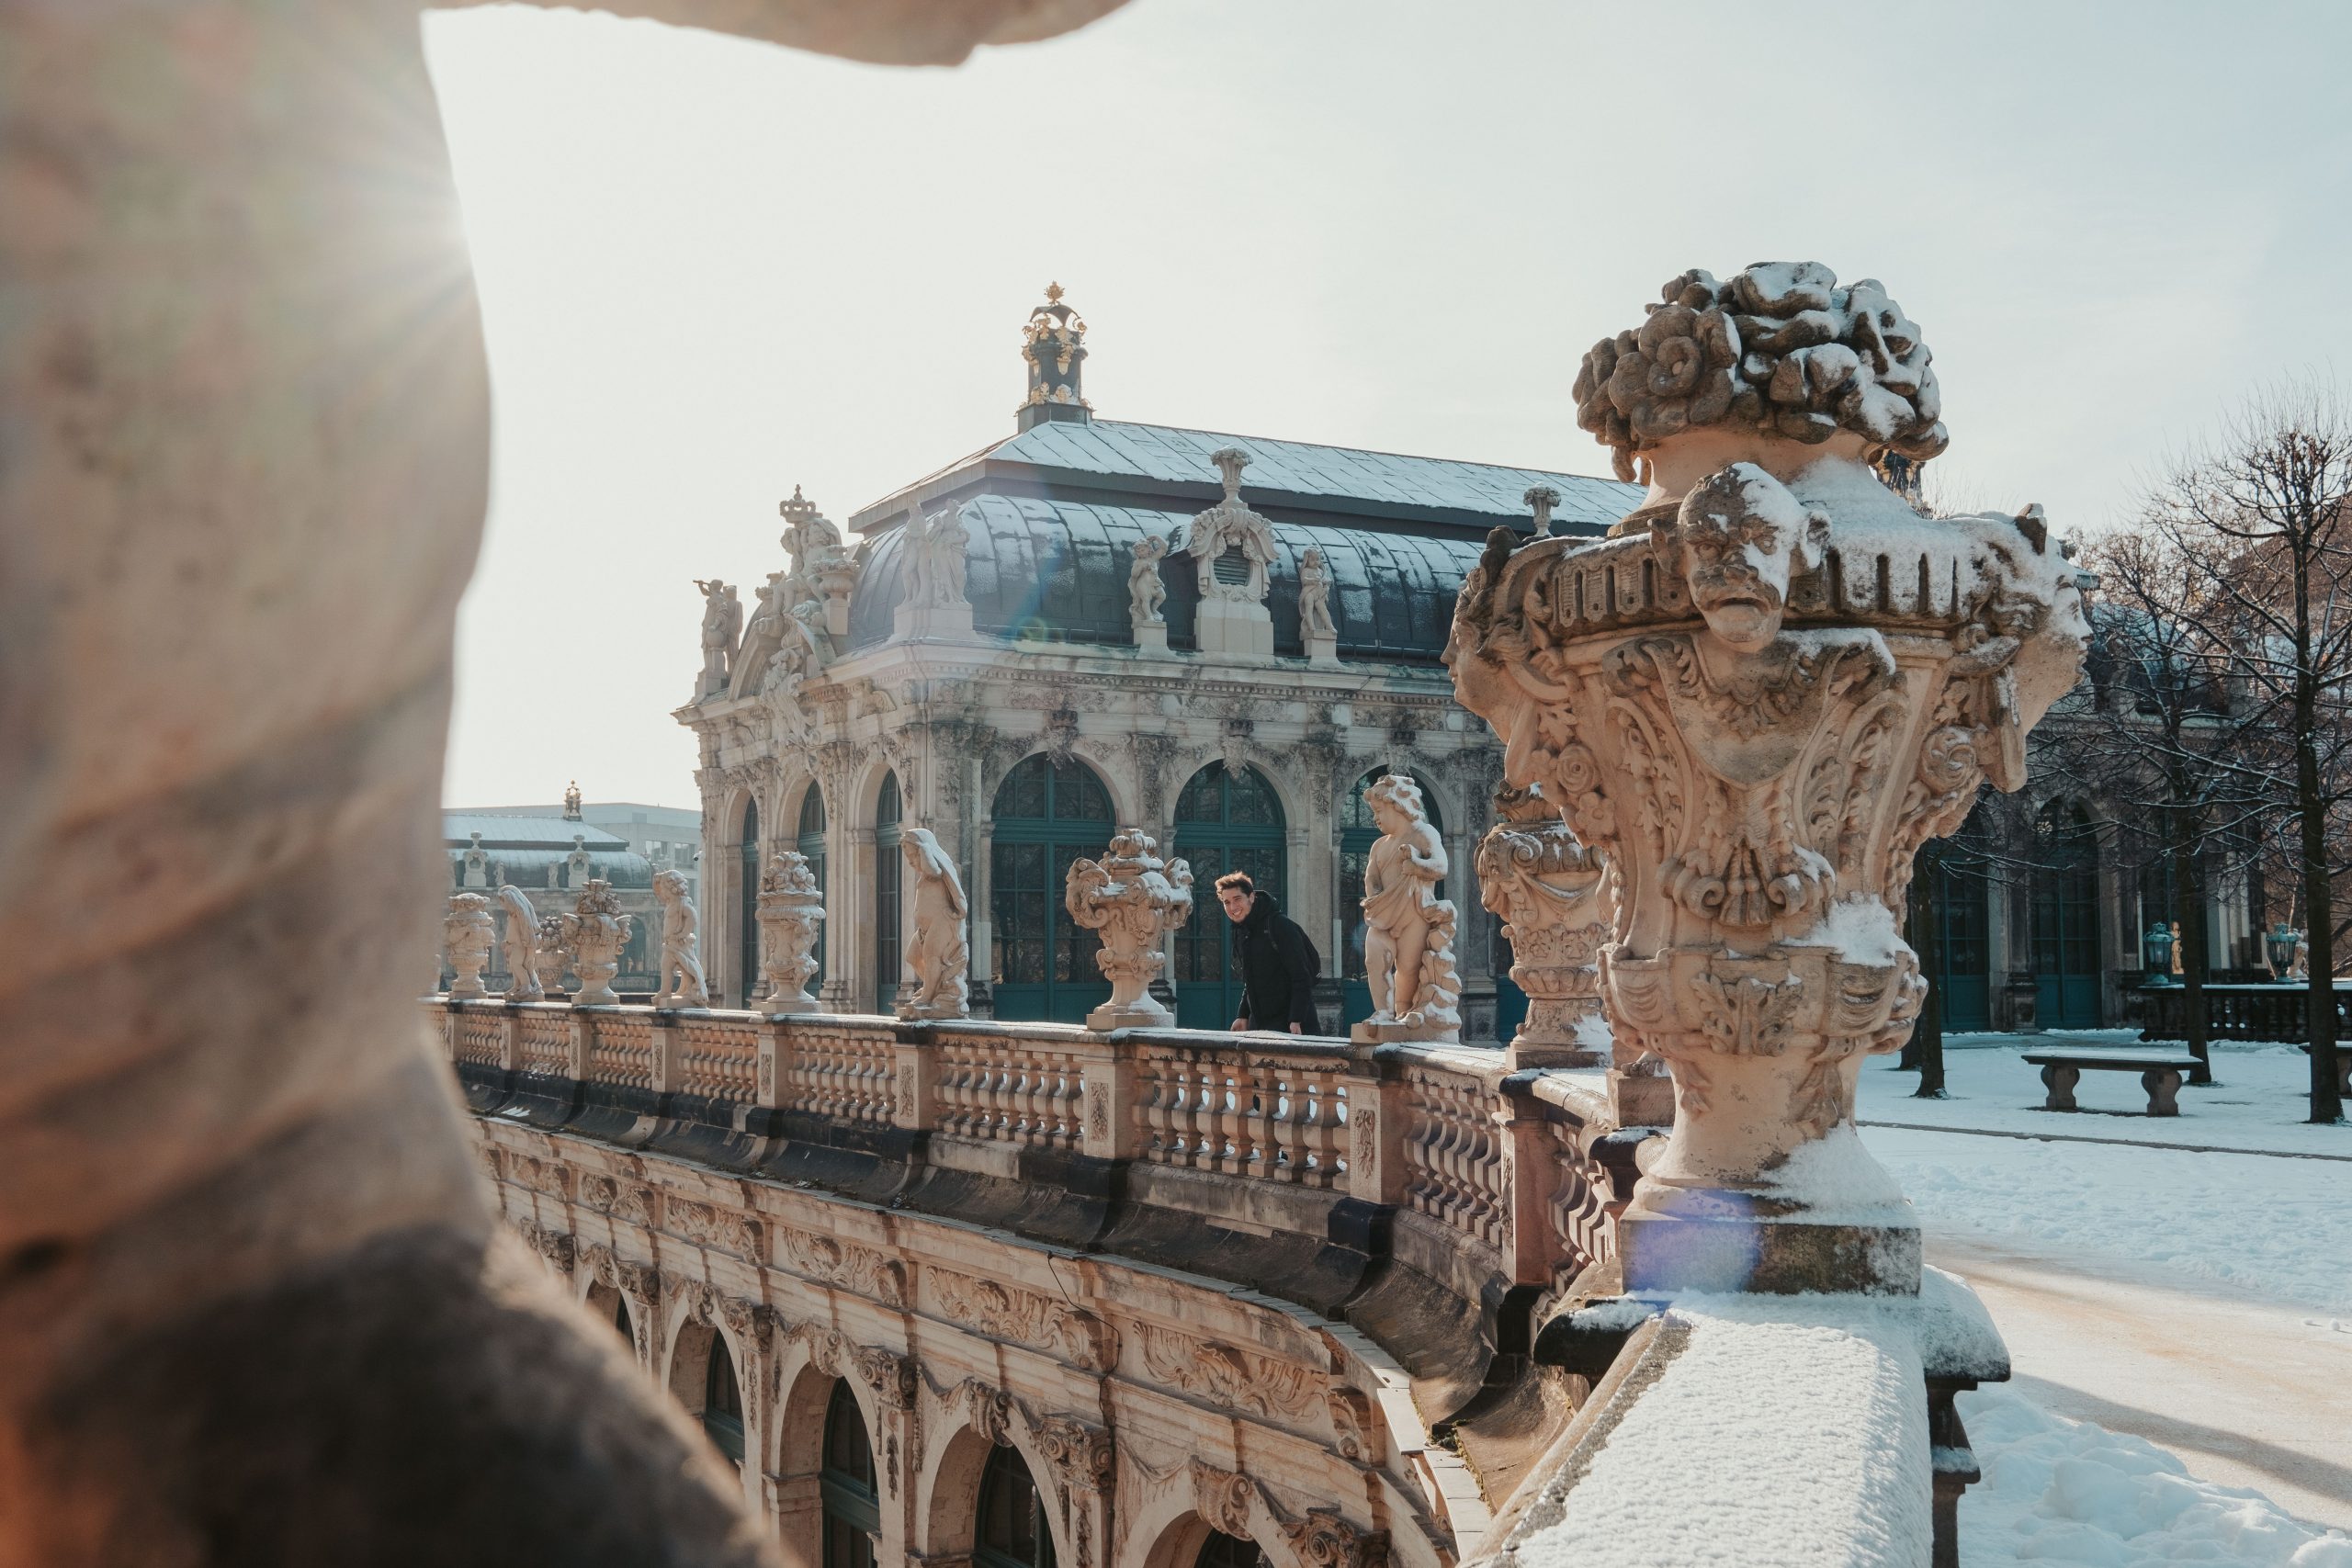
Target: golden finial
(1052,294)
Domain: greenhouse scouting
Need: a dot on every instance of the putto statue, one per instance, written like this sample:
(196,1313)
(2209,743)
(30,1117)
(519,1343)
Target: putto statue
(1316,630)
(792,911)
(1134,899)
(936,959)
(1547,888)
(1409,929)
(722,627)
(1146,593)
(596,931)
(1754,701)
(680,982)
(467,935)
(522,941)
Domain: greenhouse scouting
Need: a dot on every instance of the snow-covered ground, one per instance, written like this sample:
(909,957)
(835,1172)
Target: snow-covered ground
(2163,1282)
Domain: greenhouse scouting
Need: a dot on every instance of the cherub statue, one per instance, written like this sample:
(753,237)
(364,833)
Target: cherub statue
(1409,929)
(1315,595)
(522,946)
(680,982)
(1146,593)
(937,959)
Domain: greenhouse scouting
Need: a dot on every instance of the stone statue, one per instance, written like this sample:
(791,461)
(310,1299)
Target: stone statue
(936,556)
(467,934)
(596,931)
(550,956)
(1548,890)
(1230,525)
(792,911)
(1133,898)
(679,981)
(1315,596)
(1146,593)
(522,946)
(1409,929)
(936,959)
(1541,499)
(722,627)
(572,801)
(1754,701)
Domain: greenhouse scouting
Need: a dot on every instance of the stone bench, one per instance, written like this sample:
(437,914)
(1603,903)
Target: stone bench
(2343,1066)
(2064,1066)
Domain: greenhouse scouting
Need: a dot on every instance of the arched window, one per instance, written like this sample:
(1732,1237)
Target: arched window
(852,1511)
(1225,821)
(723,1402)
(1223,1550)
(2065,917)
(887,865)
(621,1321)
(1357,831)
(1011,1528)
(747,913)
(811,845)
(1046,814)
(1950,922)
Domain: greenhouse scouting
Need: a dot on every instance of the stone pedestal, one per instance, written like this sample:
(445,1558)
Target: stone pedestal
(1323,651)
(1151,637)
(937,623)
(1233,627)
(1755,700)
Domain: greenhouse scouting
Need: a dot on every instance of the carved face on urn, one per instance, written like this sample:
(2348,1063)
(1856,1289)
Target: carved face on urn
(1737,540)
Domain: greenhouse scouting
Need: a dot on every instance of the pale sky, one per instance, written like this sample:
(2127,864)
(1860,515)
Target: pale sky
(711,270)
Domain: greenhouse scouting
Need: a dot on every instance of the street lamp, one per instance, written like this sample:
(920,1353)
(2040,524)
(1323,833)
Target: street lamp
(2282,943)
(2156,954)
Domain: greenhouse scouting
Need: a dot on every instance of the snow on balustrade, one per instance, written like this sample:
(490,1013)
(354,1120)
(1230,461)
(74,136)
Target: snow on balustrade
(1277,1116)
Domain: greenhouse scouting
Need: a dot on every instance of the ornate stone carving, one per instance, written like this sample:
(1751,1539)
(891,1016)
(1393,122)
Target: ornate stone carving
(1324,1540)
(1779,349)
(726,1229)
(1233,549)
(1352,1421)
(823,570)
(1005,1312)
(1408,930)
(894,1379)
(1541,499)
(722,627)
(992,1411)
(522,945)
(550,958)
(1229,1378)
(1316,630)
(1079,1455)
(550,1177)
(596,931)
(791,911)
(1145,591)
(1133,898)
(556,1246)
(680,982)
(1223,1498)
(937,543)
(1550,892)
(852,1267)
(1755,702)
(936,959)
(467,935)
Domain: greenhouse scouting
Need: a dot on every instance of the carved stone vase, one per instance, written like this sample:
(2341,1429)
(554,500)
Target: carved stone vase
(1134,899)
(467,933)
(792,911)
(1756,699)
(596,931)
(1547,888)
(550,958)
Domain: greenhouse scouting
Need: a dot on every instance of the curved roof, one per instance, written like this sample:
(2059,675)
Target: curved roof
(1057,570)
(500,831)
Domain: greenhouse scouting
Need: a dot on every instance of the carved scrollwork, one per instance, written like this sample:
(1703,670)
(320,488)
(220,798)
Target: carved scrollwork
(852,1267)
(1223,1498)
(1324,1540)
(1228,1377)
(894,1379)
(1003,1312)
(1080,1455)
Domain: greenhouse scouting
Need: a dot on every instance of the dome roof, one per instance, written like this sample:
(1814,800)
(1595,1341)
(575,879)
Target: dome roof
(1057,570)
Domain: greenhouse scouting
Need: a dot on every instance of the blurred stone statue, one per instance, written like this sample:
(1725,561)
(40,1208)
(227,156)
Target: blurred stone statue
(467,933)
(680,982)
(937,958)
(935,550)
(1146,593)
(791,911)
(596,931)
(1409,929)
(722,627)
(1315,596)
(522,943)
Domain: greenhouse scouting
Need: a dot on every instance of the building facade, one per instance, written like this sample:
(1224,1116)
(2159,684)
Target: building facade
(551,857)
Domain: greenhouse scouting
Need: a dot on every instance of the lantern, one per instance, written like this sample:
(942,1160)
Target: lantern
(2156,956)
(2282,943)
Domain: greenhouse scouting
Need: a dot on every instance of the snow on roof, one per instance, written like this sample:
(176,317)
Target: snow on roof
(1160,453)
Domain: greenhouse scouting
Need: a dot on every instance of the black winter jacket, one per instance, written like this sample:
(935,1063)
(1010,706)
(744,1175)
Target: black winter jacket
(1277,970)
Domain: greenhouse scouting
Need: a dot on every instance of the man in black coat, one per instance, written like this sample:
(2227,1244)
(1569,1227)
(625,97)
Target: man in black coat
(1278,964)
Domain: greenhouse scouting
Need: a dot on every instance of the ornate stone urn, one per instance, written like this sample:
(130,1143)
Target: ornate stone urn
(1757,698)
(1547,888)
(792,911)
(550,958)
(596,931)
(467,933)
(1134,899)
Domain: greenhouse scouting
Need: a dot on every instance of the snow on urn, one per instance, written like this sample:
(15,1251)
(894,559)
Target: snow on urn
(596,931)
(1755,700)
(1134,899)
(467,933)
(792,909)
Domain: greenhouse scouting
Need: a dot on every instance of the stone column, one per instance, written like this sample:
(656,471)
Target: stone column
(1756,699)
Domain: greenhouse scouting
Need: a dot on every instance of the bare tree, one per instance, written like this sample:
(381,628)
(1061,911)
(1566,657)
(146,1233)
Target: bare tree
(2261,524)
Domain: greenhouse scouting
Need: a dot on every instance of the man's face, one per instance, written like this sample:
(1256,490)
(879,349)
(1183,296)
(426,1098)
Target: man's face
(1237,904)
